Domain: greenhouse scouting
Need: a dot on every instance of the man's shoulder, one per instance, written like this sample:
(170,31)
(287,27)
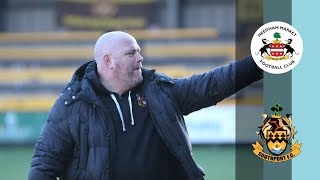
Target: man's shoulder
(67,100)
(153,74)
(163,77)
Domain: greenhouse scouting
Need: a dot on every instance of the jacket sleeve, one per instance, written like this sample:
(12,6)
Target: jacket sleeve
(199,91)
(53,148)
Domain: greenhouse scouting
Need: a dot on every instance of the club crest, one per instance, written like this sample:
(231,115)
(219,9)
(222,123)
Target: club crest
(141,101)
(277,134)
(276,47)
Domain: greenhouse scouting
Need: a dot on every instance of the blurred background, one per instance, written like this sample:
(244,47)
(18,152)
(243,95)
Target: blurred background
(42,42)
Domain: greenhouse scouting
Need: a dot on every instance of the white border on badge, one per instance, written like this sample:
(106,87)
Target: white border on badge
(276,47)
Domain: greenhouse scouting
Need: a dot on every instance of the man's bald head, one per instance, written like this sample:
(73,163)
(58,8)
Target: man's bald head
(119,61)
(105,43)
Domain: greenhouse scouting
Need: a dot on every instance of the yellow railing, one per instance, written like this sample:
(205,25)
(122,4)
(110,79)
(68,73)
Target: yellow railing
(74,36)
(26,102)
(86,52)
(43,102)
(63,75)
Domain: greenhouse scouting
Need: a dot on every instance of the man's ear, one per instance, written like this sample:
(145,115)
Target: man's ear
(107,61)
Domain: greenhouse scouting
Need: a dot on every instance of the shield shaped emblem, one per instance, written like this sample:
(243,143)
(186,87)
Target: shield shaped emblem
(276,141)
(276,49)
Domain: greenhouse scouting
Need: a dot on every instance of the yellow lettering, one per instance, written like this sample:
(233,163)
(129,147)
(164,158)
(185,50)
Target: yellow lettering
(104,23)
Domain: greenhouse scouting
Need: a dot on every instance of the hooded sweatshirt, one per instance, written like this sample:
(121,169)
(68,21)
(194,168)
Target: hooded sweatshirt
(140,153)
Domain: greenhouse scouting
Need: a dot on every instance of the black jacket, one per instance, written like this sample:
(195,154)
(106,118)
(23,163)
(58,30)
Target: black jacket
(77,141)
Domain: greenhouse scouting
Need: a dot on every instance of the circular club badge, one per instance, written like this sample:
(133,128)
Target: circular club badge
(276,47)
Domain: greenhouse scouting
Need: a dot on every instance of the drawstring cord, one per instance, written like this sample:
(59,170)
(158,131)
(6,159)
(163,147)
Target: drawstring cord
(120,112)
(130,105)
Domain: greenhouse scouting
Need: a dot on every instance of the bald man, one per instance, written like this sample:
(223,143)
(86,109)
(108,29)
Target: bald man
(118,121)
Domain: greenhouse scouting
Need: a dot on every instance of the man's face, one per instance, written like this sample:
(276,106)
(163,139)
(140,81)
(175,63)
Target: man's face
(127,61)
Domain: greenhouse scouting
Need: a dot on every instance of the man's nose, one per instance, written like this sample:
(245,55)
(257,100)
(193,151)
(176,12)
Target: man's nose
(139,58)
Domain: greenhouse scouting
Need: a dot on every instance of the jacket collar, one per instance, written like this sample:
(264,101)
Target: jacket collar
(85,83)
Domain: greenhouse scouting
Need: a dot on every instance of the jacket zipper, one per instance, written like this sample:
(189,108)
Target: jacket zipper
(84,147)
(110,137)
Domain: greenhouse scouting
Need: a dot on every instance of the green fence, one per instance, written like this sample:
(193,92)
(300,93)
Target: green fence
(20,128)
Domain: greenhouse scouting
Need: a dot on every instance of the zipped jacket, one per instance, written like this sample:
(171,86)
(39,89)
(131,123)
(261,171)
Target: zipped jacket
(78,139)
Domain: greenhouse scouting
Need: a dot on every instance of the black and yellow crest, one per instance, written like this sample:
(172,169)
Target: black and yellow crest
(277,133)
(141,101)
